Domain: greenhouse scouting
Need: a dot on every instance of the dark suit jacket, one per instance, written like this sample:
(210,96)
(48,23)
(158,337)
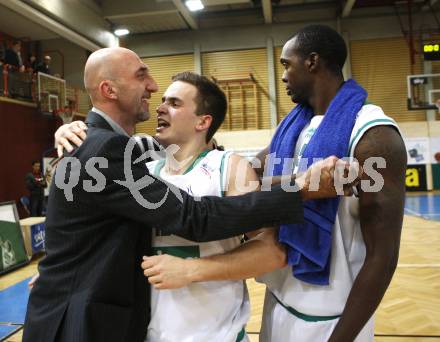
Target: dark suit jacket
(11,58)
(36,189)
(43,68)
(91,286)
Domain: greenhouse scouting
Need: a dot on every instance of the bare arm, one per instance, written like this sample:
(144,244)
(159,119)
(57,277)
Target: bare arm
(260,159)
(381,215)
(262,254)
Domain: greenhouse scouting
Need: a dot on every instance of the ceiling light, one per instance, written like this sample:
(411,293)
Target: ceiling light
(194,5)
(121,32)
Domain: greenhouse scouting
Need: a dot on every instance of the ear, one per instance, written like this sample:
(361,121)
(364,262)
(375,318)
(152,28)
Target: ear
(204,122)
(107,90)
(312,62)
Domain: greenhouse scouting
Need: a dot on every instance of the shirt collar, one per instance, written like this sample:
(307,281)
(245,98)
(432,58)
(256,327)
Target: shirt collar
(116,127)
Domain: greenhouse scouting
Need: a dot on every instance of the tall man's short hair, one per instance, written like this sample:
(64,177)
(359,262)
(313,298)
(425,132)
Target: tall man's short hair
(326,42)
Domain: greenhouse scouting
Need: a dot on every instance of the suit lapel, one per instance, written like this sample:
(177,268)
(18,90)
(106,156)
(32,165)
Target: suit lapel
(95,120)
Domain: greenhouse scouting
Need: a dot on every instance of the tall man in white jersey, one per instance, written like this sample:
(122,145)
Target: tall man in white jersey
(366,232)
(365,236)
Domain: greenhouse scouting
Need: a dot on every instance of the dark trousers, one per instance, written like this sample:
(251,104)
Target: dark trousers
(36,205)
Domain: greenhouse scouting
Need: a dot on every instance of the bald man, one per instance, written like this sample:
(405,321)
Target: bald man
(91,286)
(44,66)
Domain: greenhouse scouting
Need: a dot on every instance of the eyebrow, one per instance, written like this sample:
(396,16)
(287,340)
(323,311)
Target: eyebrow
(171,99)
(142,69)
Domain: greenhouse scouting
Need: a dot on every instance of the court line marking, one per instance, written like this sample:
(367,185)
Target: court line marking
(418,265)
(400,336)
(413,212)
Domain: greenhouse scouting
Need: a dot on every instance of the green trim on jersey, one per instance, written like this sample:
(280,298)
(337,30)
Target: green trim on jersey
(160,164)
(364,127)
(178,251)
(304,317)
(241,335)
(223,175)
(196,161)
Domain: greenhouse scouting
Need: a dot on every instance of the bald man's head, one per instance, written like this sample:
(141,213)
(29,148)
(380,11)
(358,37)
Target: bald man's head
(119,84)
(105,64)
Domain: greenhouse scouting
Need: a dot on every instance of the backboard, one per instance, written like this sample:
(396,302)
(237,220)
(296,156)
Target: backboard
(423,91)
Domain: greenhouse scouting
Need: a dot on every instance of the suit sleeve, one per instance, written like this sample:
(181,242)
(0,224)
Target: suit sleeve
(210,218)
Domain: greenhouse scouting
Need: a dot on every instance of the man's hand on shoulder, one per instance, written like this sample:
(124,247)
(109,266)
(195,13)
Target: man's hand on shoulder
(68,134)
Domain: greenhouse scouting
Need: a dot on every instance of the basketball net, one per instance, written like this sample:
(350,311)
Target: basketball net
(66,116)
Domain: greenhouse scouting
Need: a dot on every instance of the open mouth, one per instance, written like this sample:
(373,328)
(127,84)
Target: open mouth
(289,92)
(145,98)
(161,125)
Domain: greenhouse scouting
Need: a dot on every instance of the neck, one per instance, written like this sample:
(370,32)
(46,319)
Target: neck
(179,162)
(118,117)
(324,90)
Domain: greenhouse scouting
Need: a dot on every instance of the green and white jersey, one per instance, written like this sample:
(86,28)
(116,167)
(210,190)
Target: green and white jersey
(348,247)
(213,311)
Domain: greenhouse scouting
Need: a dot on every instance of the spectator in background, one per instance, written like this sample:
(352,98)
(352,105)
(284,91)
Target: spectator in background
(31,64)
(35,183)
(13,56)
(45,65)
(2,54)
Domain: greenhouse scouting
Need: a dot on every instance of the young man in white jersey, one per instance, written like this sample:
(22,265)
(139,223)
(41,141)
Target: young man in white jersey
(192,110)
(366,232)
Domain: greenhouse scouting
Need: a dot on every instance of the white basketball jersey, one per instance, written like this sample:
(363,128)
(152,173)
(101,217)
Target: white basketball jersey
(214,311)
(348,247)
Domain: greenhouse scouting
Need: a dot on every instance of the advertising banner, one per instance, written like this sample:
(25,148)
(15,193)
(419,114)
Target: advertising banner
(12,249)
(416,178)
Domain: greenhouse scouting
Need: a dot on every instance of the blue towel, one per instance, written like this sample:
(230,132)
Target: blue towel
(309,244)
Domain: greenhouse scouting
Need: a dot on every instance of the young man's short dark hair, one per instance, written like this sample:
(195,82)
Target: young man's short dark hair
(210,99)
(326,42)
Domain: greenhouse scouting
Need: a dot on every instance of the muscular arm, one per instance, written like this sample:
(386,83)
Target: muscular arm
(261,254)
(381,215)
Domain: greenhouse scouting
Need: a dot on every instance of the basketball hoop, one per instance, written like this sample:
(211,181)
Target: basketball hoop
(437,104)
(65,115)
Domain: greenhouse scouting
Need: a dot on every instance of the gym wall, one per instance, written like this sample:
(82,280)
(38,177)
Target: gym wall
(25,135)
(248,106)
(381,66)
(284,103)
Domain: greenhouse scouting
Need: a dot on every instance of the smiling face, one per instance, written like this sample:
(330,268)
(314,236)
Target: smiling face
(133,87)
(178,122)
(296,75)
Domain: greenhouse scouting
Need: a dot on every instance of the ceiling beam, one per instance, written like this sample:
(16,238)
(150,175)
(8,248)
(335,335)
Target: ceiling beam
(267,11)
(40,18)
(140,14)
(186,14)
(347,8)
